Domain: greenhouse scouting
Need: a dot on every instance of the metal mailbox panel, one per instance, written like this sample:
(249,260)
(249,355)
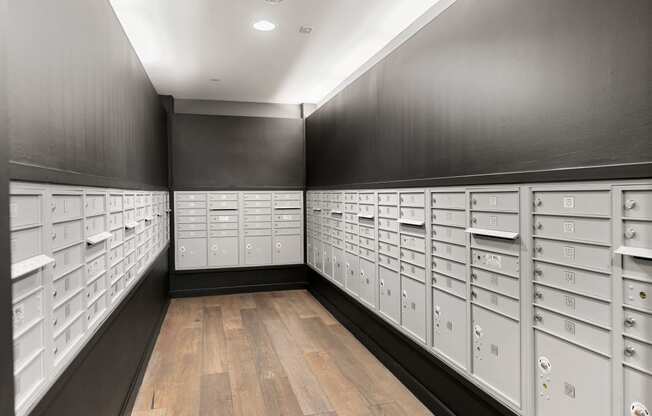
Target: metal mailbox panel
(258,250)
(412,257)
(449,234)
(367,197)
(254,196)
(310,255)
(352,281)
(638,324)
(287,204)
(449,268)
(287,224)
(637,388)
(501,263)
(637,233)
(65,285)
(366,231)
(388,211)
(327,256)
(223,251)
(570,380)
(573,202)
(389,302)
(579,332)
(388,249)
(339,269)
(415,272)
(67,259)
(412,199)
(27,344)
(257,211)
(257,204)
(574,254)
(232,216)
(287,196)
(191,253)
(287,249)
(449,251)
(27,311)
(222,197)
(413,316)
(495,201)
(26,243)
(222,226)
(413,242)
(191,205)
(29,379)
(191,212)
(449,285)
(574,280)
(496,244)
(289,217)
(257,225)
(388,261)
(180,196)
(368,282)
(25,210)
(637,204)
(638,354)
(366,209)
(351,207)
(637,267)
(318,254)
(497,221)
(95,204)
(450,328)
(499,283)
(496,302)
(497,352)
(387,198)
(582,307)
(592,230)
(66,233)
(191,234)
(67,311)
(410,213)
(66,207)
(448,217)
(448,200)
(191,227)
(637,293)
(387,224)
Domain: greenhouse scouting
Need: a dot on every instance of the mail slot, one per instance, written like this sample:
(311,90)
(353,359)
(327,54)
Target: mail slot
(66,233)
(573,254)
(637,293)
(572,202)
(588,309)
(636,267)
(576,331)
(25,210)
(449,200)
(495,201)
(449,251)
(449,267)
(573,280)
(449,285)
(449,234)
(592,230)
(495,282)
(502,263)
(450,326)
(448,217)
(489,243)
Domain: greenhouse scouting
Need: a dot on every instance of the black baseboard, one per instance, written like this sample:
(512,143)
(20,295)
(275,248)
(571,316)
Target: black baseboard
(439,387)
(101,378)
(237,280)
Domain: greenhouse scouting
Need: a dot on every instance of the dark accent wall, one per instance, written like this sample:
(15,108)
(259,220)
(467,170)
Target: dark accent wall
(6,341)
(232,152)
(82,111)
(81,107)
(492,87)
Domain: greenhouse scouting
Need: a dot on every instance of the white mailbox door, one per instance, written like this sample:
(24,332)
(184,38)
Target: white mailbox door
(191,253)
(223,251)
(389,302)
(287,249)
(258,250)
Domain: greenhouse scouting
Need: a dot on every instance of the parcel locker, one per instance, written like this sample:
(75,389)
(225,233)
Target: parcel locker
(570,380)
(637,392)
(389,302)
(339,269)
(497,352)
(258,250)
(191,253)
(413,312)
(223,251)
(352,281)
(450,328)
(287,249)
(368,283)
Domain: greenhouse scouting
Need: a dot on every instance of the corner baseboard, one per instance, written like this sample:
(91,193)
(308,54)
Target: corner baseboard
(228,290)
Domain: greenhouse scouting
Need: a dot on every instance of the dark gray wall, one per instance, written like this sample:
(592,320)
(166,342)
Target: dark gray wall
(81,107)
(82,111)
(231,152)
(6,342)
(497,86)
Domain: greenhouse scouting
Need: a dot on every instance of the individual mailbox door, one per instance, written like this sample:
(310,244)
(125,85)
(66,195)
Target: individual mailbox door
(637,293)
(339,269)
(578,203)
(573,254)
(309,252)
(368,282)
(574,280)
(318,254)
(258,250)
(413,317)
(287,249)
(389,302)
(638,324)
(352,281)
(450,327)
(223,251)
(570,380)
(497,352)
(328,259)
(637,388)
(191,253)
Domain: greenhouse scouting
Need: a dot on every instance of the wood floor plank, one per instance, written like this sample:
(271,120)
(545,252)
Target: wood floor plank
(245,386)
(214,357)
(388,409)
(215,395)
(231,312)
(292,321)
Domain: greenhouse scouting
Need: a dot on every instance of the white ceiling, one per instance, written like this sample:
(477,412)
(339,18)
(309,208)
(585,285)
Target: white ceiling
(185,43)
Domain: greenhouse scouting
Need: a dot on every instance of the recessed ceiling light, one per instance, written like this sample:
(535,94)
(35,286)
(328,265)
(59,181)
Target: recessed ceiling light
(264,25)
(306,30)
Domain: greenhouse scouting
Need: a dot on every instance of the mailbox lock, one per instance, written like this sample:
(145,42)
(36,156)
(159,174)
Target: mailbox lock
(538,202)
(630,203)
(630,233)
(630,351)
(474,294)
(538,226)
(382,283)
(538,317)
(538,295)
(477,331)
(630,322)
(538,249)
(538,272)
(638,409)
(544,365)
(474,220)
(474,276)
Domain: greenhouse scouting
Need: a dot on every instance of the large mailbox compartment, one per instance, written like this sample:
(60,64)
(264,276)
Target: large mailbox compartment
(450,326)
(389,302)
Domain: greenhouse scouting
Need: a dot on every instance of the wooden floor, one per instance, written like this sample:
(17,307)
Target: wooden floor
(277,353)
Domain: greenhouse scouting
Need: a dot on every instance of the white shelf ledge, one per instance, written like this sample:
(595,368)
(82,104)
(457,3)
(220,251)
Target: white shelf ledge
(287,207)
(30,265)
(367,216)
(131,225)
(98,238)
(493,233)
(316,209)
(411,222)
(644,253)
(336,212)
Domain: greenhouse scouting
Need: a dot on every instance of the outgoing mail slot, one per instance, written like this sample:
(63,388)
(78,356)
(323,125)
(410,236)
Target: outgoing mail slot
(29,379)
(223,197)
(449,234)
(24,210)
(412,257)
(388,212)
(66,207)
(449,285)
(637,204)
(413,271)
(495,282)
(637,354)
(496,302)
(573,254)
(501,263)
(495,221)
(387,198)
(448,217)
(592,230)
(449,267)
(27,311)
(573,202)
(637,234)
(582,307)
(413,243)
(66,233)
(68,311)
(189,197)
(484,242)
(218,205)
(412,199)
(495,201)
(637,293)
(387,224)
(387,248)
(65,285)
(637,324)
(449,200)
(26,345)
(579,332)
(450,326)
(449,251)
(26,243)
(573,280)
(95,204)
(67,259)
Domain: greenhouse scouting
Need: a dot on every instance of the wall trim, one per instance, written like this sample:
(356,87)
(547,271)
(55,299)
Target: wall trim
(237,108)
(262,287)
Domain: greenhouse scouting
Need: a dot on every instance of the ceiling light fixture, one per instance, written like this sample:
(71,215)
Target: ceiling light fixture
(215,80)
(306,30)
(264,26)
